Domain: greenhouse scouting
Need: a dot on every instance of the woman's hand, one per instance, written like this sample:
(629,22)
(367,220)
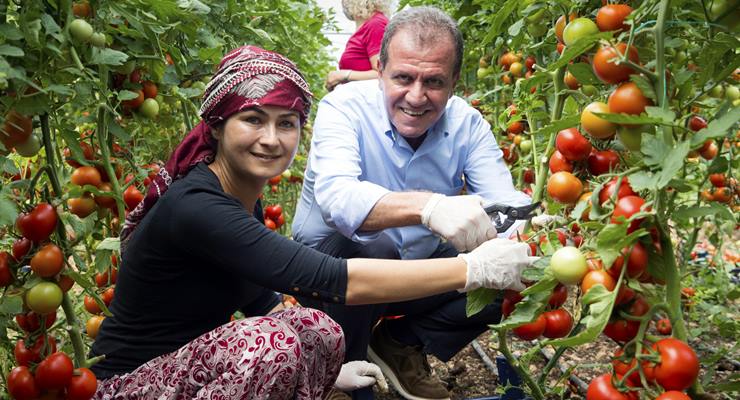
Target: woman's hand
(337,77)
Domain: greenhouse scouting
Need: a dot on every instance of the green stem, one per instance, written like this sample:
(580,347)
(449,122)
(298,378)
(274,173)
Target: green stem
(186,115)
(74,331)
(49,151)
(661,89)
(514,363)
(102,136)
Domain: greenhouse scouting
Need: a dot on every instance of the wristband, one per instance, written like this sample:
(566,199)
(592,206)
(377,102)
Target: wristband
(346,77)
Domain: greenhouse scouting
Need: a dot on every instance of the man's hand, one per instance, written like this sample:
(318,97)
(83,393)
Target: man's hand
(497,264)
(359,374)
(459,219)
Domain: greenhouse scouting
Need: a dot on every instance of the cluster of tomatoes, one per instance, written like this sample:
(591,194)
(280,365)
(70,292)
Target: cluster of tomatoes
(554,323)
(274,217)
(40,367)
(17,135)
(105,282)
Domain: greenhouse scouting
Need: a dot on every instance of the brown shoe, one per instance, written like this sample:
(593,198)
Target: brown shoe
(335,394)
(406,367)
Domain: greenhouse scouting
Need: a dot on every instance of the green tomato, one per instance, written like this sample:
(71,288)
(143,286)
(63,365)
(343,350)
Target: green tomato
(149,108)
(482,73)
(568,265)
(631,137)
(30,147)
(717,92)
(525,146)
(537,16)
(98,39)
(44,298)
(579,28)
(589,90)
(287,174)
(80,30)
(680,57)
(732,93)
(537,30)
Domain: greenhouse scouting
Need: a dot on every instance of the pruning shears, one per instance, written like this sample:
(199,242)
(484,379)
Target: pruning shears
(510,214)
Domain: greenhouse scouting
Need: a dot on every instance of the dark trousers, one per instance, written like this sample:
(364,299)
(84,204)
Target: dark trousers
(438,322)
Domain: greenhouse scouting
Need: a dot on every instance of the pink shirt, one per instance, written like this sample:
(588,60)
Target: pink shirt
(364,44)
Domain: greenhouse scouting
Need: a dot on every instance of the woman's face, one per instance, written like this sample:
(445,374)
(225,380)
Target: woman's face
(260,142)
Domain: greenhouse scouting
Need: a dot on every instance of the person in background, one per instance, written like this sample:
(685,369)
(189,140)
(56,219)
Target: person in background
(359,61)
(196,250)
(387,165)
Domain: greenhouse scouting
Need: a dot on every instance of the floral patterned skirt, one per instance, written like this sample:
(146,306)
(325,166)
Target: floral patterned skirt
(292,354)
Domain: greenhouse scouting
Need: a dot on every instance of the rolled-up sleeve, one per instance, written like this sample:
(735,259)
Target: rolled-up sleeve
(486,173)
(344,200)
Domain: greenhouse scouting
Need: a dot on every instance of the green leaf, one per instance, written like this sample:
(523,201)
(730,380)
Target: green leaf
(625,119)
(118,131)
(601,302)
(667,116)
(608,242)
(534,302)
(581,46)
(11,51)
(584,73)
(60,89)
(654,150)
(500,16)
(643,180)
(108,56)
(50,26)
(567,122)
(478,299)
(684,213)
(515,28)
(10,32)
(719,164)
(673,163)
(124,95)
(111,243)
(11,304)
(645,86)
(102,259)
(8,208)
(717,127)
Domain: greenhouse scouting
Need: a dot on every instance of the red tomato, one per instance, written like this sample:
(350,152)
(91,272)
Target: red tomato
(515,127)
(558,163)
(678,367)
(86,175)
(39,223)
(275,180)
(529,175)
(564,187)
(593,278)
(92,306)
(559,296)
(270,224)
(26,356)
(625,295)
(135,102)
(621,330)
(718,180)
(636,265)
(65,283)
(105,201)
(54,372)
(81,206)
(101,279)
(82,386)
(280,221)
(673,395)
(558,323)
(150,89)
(273,212)
(571,144)
(108,295)
(510,299)
(697,123)
(611,17)
(21,384)
(607,70)
(639,307)
(664,326)
(132,197)
(532,330)
(601,388)
(628,98)
(48,261)
(16,129)
(627,207)
(710,151)
(6,277)
(31,322)
(603,161)
(21,247)
(570,81)
(608,191)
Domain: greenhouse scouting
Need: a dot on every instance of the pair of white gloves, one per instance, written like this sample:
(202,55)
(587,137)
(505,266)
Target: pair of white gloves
(492,263)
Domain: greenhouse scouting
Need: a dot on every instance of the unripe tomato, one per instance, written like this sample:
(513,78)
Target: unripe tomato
(558,163)
(608,190)
(607,70)
(21,384)
(149,108)
(631,136)
(595,126)
(48,261)
(44,298)
(525,146)
(558,323)
(627,207)
(601,162)
(564,187)
(678,367)
(82,386)
(601,388)
(54,372)
(593,278)
(92,326)
(132,197)
(611,17)
(81,206)
(80,30)
(98,39)
(30,147)
(516,68)
(560,26)
(86,175)
(628,98)
(532,330)
(568,265)
(571,144)
(579,28)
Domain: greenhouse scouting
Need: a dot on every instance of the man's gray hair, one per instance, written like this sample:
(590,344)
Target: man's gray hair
(427,23)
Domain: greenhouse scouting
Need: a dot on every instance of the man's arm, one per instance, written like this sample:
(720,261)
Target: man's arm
(396,209)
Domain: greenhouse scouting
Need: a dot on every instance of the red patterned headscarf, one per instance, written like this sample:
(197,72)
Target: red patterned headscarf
(246,77)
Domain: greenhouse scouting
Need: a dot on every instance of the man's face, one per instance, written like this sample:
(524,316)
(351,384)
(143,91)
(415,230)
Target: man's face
(417,81)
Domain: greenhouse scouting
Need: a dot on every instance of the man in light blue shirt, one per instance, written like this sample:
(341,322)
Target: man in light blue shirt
(388,161)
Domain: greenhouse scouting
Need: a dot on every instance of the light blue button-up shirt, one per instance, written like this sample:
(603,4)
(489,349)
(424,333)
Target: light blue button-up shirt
(357,157)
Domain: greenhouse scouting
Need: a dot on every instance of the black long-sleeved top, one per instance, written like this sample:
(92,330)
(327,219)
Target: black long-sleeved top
(196,258)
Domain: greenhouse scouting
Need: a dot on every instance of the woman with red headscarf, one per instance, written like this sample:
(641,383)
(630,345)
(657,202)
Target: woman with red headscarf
(196,250)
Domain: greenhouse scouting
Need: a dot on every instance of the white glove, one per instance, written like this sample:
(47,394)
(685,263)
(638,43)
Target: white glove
(545,219)
(359,374)
(497,264)
(459,219)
